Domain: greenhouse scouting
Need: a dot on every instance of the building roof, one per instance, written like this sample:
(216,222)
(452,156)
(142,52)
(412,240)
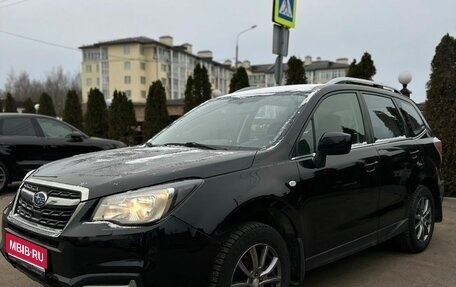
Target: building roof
(316,65)
(146,40)
(325,65)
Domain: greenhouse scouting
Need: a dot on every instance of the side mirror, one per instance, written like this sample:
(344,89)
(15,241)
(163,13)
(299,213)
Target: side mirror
(74,137)
(331,143)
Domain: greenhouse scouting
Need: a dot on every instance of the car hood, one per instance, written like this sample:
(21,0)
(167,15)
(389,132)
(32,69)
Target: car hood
(113,171)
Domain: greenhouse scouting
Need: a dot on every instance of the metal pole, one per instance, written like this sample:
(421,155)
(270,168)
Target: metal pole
(237,43)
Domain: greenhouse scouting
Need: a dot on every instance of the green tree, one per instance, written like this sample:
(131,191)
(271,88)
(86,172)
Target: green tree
(296,73)
(96,115)
(201,85)
(29,106)
(189,101)
(46,105)
(365,69)
(239,80)
(10,104)
(156,114)
(72,112)
(1,106)
(121,119)
(441,104)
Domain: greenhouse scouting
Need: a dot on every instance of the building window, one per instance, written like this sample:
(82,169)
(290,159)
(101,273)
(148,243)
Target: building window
(163,80)
(127,80)
(141,50)
(163,68)
(143,80)
(98,81)
(88,68)
(89,81)
(143,66)
(127,65)
(128,93)
(143,94)
(126,49)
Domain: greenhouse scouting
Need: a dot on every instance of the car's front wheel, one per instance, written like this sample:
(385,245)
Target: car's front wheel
(4,177)
(421,221)
(253,255)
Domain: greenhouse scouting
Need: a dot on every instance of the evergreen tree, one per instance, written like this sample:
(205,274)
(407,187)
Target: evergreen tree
(10,104)
(29,106)
(189,102)
(201,85)
(96,116)
(441,104)
(1,106)
(296,73)
(72,112)
(365,69)
(46,105)
(156,114)
(122,121)
(239,80)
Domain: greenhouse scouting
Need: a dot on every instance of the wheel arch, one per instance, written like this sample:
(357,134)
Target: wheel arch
(280,216)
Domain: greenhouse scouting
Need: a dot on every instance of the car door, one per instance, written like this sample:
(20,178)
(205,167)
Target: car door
(340,200)
(398,157)
(59,142)
(21,149)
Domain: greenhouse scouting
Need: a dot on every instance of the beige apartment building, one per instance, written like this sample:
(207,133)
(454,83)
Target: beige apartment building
(132,64)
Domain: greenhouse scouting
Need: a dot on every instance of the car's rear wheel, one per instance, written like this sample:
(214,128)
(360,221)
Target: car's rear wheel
(253,255)
(421,221)
(4,177)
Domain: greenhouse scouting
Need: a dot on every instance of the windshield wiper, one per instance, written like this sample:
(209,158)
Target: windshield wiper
(193,144)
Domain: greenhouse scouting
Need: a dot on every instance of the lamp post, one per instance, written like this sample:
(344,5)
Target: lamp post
(405,78)
(237,42)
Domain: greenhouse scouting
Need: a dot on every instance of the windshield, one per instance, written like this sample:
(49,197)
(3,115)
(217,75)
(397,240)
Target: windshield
(246,122)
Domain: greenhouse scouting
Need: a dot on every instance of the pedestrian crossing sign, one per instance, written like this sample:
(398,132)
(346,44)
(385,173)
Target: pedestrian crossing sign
(284,13)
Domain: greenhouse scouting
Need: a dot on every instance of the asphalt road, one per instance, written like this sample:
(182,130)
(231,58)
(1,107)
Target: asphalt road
(376,267)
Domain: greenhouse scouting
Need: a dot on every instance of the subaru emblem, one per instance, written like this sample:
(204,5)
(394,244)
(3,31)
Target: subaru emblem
(39,199)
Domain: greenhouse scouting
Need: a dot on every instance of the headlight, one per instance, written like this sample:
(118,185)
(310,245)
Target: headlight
(143,205)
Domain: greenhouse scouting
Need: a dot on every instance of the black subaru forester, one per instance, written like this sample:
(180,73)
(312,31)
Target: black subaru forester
(249,189)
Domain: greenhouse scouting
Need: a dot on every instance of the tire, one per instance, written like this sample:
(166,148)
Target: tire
(4,177)
(421,215)
(235,263)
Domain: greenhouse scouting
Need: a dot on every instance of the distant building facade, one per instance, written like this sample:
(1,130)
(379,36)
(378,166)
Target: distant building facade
(317,72)
(132,64)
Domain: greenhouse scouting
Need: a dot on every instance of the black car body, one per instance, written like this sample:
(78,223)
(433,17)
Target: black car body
(257,213)
(28,141)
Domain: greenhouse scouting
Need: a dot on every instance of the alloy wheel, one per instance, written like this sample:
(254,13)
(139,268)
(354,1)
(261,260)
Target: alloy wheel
(259,266)
(423,219)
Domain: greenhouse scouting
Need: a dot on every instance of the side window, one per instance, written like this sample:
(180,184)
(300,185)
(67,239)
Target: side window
(337,113)
(18,127)
(54,129)
(340,113)
(412,117)
(386,120)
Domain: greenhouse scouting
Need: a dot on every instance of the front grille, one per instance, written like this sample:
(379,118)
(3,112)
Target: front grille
(52,214)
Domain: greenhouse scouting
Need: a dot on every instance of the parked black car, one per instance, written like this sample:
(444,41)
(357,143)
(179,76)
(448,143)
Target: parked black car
(28,141)
(250,189)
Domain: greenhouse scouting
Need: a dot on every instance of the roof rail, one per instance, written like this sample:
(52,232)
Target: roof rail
(362,82)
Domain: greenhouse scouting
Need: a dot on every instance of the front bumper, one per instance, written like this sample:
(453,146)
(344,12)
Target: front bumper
(170,253)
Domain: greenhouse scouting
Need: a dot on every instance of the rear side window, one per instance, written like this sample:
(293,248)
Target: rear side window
(17,127)
(412,117)
(386,120)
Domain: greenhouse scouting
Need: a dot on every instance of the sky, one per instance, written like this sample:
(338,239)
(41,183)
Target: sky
(400,35)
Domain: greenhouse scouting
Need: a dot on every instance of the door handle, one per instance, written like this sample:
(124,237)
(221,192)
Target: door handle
(414,154)
(370,167)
